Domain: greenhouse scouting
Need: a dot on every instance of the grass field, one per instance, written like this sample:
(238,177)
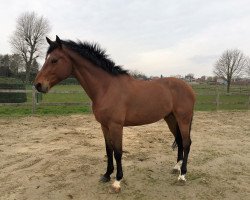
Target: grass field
(206,95)
(237,99)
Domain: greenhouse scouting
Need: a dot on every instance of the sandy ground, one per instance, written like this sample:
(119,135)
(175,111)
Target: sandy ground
(63,158)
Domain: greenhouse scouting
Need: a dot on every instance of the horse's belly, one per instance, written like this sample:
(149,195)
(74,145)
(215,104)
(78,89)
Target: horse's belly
(139,122)
(145,115)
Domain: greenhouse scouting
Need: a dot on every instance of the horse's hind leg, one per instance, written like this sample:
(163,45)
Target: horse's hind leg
(174,128)
(185,128)
(178,140)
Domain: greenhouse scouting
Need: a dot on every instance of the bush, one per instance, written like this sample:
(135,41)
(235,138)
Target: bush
(14,84)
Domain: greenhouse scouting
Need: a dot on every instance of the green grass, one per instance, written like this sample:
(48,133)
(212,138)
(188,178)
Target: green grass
(80,97)
(43,110)
(63,110)
(238,99)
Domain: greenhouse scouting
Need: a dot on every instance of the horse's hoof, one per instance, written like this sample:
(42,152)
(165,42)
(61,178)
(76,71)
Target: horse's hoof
(104,179)
(116,187)
(114,190)
(182,178)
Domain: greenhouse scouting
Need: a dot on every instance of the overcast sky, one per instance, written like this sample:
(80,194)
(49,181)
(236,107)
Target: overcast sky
(156,37)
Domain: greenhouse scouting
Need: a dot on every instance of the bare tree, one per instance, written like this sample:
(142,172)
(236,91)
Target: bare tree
(5,65)
(189,77)
(230,65)
(248,68)
(138,75)
(28,38)
(16,63)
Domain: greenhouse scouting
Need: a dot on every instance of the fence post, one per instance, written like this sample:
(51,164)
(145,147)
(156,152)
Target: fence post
(249,102)
(217,99)
(33,100)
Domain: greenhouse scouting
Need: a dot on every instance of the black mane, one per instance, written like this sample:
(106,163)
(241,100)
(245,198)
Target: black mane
(93,53)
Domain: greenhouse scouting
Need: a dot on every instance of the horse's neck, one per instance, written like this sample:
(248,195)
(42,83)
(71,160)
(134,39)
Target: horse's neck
(94,80)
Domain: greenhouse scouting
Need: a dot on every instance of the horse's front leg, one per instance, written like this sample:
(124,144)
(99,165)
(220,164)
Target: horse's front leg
(115,131)
(109,151)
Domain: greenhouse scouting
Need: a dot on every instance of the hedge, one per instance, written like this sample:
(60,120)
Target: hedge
(15,84)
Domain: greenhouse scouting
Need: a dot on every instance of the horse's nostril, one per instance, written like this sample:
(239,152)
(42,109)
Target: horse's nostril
(38,86)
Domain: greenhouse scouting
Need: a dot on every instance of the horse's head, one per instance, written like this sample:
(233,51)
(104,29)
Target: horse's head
(57,67)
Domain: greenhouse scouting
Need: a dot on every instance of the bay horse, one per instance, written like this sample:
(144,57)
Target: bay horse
(119,100)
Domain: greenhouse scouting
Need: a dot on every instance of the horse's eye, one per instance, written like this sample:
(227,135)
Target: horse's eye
(54,61)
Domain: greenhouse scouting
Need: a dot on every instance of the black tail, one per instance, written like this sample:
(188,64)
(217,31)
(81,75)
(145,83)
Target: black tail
(190,126)
(174,145)
(178,138)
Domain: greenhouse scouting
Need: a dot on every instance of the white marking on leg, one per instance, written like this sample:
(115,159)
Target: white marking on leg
(182,178)
(177,167)
(117,186)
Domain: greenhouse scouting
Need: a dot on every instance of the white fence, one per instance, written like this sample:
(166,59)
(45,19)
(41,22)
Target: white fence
(216,102)
(34,103)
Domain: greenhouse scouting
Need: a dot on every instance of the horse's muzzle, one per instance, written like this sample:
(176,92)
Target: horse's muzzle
(40,88)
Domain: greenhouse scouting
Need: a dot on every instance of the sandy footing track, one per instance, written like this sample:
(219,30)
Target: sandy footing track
(63,157)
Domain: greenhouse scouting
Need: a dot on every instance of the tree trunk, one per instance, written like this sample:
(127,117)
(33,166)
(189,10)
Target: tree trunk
(228,86)
(27,73)
(28,65)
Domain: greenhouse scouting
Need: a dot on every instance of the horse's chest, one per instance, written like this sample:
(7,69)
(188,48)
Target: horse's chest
(106,114)
(99,114)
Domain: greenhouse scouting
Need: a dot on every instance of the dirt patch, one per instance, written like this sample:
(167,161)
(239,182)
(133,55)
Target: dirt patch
(63,158)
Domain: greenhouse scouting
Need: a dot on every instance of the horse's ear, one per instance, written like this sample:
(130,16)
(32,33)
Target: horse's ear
(49,41)
(58,41)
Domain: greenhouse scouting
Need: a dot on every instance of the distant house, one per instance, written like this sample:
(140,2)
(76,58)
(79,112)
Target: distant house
(154,77)
(177,76)
(190,78)
(202,79)
(241,81)
(221,81)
